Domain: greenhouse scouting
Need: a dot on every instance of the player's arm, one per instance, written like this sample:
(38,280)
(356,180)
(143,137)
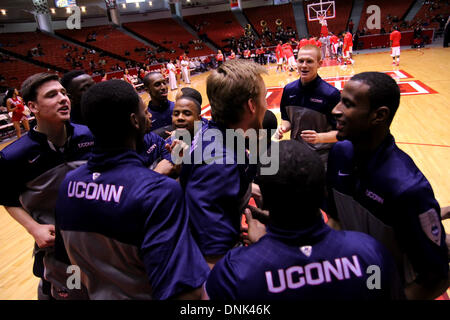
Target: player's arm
(311,136)
(422,235)
(8,106)
(43,234)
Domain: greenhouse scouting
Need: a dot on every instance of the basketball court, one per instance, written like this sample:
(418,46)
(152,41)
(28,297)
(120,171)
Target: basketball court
(420,128)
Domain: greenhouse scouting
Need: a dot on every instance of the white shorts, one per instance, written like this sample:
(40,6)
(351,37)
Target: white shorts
(334,48)
(280,61)
(395,51)
(291,62)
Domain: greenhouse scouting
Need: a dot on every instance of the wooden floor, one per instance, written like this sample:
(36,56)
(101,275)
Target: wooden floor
(421,128)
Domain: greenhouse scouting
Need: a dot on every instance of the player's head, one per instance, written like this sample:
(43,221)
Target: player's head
(156,86)
(237,94)
(9,94)
(368,104)
(115,113)
(46,98)
(76,83)
(187,109)
(294,194)
(309,60)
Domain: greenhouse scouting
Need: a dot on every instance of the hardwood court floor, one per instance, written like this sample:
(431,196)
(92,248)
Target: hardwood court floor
(420,128)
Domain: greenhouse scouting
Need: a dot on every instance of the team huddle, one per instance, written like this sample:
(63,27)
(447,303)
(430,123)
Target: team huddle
(95,183)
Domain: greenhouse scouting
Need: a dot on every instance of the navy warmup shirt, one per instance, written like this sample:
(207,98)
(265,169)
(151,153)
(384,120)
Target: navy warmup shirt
(32,170)
(317,263)
(161,115)
(153,150)
(388,197)
(127,229)
(308,107)
(216,194)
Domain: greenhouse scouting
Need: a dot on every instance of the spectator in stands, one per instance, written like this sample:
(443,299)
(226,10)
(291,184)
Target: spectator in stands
(15,104)
(76,82)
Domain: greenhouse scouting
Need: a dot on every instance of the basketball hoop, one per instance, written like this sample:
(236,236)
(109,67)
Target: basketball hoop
(321,11)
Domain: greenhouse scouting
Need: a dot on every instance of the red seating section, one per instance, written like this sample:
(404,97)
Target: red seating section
(110,39)
(270,14)
(168,33)
(54,54)
(393,8)
(218,26)
(429,10)
(337,25)
(16,71)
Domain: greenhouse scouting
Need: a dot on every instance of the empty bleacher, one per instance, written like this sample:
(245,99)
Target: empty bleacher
(54,50)
(16,71)
(337,25)
(219,27)
(110,39)
(428,12)
(169,34)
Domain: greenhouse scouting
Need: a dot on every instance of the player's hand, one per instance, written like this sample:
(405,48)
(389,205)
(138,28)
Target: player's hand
(310,136)
(177,149)
(445,213)
(256,230)
(44,235)
(280,131)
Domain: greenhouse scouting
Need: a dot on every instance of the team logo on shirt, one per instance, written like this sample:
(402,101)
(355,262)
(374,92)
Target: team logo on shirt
(150,150)
(431,225)
(306,250)
(95,175)
(316,100)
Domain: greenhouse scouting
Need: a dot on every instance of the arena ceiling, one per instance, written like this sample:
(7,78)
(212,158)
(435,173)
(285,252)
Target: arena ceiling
(22,10)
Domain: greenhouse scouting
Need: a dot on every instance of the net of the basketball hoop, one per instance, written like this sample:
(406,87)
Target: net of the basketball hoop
(322,10)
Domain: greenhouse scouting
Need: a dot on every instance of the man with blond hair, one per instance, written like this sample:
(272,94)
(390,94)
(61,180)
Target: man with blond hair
(217,185)
(306,105)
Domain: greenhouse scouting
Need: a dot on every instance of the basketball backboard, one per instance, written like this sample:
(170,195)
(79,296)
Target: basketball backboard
(321,8)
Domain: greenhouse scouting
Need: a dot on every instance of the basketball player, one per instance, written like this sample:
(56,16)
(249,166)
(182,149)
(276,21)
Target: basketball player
(76,82)
(394,40)
(219,57)
(300,257)
(334,44)
(306,105)
(289,56)
(376,188)
(347,49)
(324,26)
(34,166)
(159,106)
(15,105)
(123,225)
(215,193)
